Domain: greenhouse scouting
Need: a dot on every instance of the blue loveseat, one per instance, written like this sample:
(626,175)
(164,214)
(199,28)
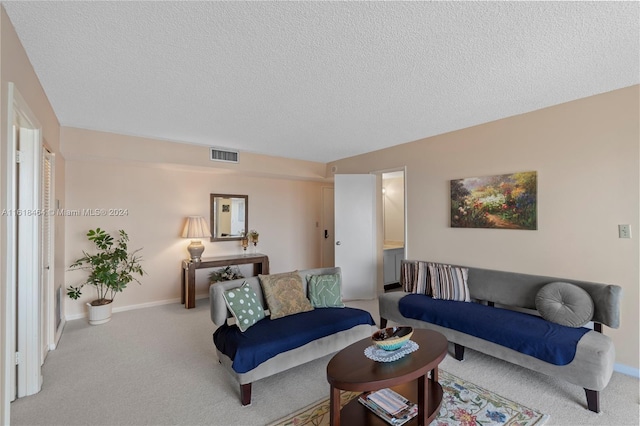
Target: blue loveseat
(274,345)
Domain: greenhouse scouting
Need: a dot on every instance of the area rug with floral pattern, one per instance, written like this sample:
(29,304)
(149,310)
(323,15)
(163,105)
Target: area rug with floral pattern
(463,403)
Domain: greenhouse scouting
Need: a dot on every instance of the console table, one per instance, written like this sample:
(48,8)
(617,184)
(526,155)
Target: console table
(188,287)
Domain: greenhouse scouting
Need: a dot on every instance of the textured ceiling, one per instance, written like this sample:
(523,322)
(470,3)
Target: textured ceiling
(319,80)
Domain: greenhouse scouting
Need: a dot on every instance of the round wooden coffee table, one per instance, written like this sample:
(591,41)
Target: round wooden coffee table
(351,370)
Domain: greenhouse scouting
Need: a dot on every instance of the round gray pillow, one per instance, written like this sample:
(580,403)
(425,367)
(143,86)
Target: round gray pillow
(565,304)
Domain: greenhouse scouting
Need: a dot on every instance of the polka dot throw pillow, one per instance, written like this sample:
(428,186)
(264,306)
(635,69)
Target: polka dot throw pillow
(244,305)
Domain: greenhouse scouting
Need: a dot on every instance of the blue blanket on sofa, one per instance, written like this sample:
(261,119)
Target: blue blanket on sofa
(268,338)
(528,334)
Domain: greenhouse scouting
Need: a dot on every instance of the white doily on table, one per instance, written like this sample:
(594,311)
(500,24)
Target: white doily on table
(377,354)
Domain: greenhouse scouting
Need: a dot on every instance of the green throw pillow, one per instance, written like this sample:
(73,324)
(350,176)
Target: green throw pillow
(244,305)
(324,291)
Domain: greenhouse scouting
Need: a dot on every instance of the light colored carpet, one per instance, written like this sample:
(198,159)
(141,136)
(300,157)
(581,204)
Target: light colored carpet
(316,414)
(157,366)
(463,403)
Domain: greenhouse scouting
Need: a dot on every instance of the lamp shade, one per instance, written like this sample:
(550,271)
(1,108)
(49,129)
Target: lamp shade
(196,227)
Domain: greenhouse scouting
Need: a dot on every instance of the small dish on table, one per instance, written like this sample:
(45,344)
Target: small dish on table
(392,338)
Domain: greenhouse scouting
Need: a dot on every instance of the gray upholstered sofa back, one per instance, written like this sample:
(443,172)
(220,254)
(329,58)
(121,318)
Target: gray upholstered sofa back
(219,311)
(519,290)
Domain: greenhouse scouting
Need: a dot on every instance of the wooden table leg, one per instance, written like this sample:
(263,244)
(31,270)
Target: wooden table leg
(334,406)
(191,288)
(182,284)
(261,267)
(423,397)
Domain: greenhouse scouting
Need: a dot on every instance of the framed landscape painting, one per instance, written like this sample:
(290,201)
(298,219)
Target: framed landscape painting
(501,201)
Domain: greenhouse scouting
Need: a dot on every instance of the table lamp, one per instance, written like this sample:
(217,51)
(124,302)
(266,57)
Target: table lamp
(196,227)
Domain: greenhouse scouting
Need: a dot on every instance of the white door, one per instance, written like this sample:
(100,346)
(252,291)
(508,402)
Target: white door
(21,260)
(355,235)
(328,227)
(29,343)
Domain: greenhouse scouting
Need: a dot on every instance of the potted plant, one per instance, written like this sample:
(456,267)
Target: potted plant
(110,269)
(225,274)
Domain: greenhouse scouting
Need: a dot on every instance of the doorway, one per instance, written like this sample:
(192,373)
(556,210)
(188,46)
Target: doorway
(389,239)
(393,226)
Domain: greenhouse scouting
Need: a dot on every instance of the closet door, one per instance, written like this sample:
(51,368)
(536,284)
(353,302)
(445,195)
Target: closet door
(355,235)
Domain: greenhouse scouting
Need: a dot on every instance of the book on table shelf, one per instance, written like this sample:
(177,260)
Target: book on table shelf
(389,405)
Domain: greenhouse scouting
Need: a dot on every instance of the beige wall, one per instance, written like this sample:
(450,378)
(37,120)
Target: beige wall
(160,183)
(586,154)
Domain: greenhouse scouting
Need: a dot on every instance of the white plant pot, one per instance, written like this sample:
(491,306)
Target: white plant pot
(99,314)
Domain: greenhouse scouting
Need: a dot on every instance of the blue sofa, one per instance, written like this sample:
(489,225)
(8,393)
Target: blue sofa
(502,321)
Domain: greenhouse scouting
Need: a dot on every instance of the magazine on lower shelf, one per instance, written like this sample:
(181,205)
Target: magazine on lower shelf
(389,406)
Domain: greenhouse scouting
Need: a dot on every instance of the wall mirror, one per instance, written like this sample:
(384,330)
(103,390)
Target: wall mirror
(229,216)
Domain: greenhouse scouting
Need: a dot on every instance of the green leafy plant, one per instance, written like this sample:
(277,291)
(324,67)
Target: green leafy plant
(110,269)
(225,274)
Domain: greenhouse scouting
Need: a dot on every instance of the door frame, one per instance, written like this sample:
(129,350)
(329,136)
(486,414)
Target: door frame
(379,174)
(7,261)
(327,211)
(47,267)
(402,169)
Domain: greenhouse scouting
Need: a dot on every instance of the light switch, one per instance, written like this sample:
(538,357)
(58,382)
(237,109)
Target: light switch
(624,231)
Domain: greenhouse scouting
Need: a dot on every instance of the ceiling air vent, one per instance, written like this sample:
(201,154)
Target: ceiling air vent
(220,154)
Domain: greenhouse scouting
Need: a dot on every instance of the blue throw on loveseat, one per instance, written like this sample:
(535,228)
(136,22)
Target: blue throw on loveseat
(268,338)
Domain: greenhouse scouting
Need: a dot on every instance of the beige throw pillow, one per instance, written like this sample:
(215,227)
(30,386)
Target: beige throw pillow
(284,294)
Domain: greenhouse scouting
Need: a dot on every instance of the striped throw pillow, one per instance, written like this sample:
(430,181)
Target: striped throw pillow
(413,277)
(407,279)
(449,282)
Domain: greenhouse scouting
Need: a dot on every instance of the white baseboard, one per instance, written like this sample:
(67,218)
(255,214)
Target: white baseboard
(74,317)
(625,369)
(146,305)
(132,307)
